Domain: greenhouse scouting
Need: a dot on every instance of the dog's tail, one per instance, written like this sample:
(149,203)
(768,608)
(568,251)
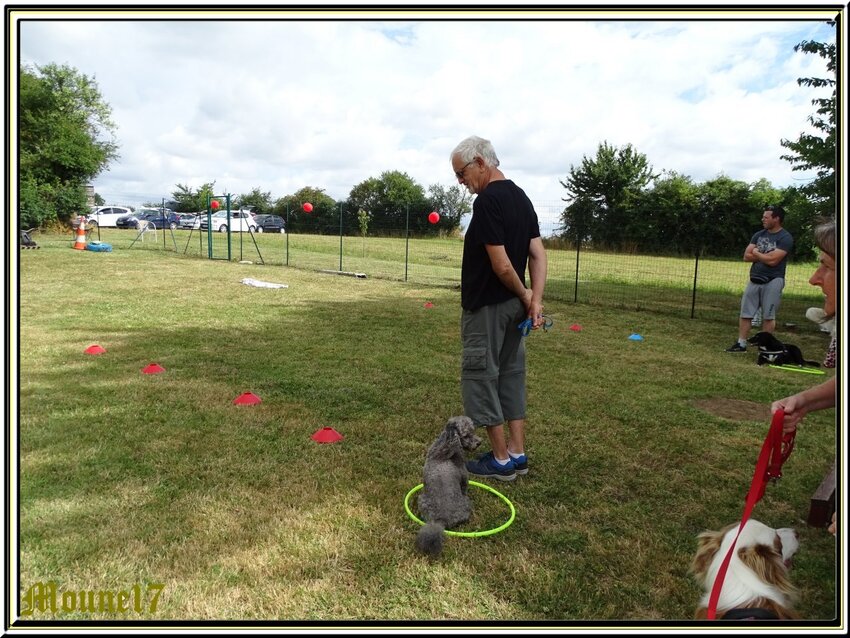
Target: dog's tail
(430,538)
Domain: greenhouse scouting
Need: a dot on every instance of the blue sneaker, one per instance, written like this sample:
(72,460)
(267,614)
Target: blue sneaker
(487,467)
(520,464)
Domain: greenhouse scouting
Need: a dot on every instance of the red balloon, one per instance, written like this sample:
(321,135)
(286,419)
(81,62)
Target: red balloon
(214,204)
(434,217)
(308,207)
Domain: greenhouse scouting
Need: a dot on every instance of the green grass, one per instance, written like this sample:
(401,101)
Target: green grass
(636,282)
(128,478)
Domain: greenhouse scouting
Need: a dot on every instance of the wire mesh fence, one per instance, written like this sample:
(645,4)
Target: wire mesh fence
(696,286)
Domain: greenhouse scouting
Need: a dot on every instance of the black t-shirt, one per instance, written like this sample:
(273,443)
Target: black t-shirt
(502,215)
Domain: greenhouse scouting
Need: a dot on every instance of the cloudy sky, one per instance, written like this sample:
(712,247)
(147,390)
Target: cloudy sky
(281,104)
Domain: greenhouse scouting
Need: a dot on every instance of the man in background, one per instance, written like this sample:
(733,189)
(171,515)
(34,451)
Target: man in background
(768,252)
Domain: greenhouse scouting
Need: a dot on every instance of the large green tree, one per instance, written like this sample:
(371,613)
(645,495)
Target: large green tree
(191,200)
(259,200)
(817,151)
(451,203)
(602,192)
(667,217)
(322,219)
(729,216)
(66,139)
(395,201)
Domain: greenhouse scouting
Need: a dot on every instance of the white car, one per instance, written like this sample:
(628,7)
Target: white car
(107,216)
(241,221)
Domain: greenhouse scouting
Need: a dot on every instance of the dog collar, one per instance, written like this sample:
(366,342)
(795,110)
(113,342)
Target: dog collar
(750,613)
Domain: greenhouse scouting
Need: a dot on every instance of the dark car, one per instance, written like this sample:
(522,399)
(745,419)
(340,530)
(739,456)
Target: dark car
(161,219)
(270,224)
(128,221)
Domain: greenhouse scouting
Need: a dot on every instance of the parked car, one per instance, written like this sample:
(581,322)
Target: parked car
(270,224)
(107,216)
(240,221)
(162,218)
(190,221)
(128,221)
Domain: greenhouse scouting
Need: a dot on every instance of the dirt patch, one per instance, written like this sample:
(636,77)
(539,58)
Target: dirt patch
(735,409)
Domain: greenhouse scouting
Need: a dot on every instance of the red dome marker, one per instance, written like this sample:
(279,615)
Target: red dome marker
(153,368)
(247,398)
(327,435)
(95,349)
(428,304)
(575,327)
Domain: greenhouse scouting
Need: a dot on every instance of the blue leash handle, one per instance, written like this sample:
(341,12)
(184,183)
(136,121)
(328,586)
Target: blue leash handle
(525,326)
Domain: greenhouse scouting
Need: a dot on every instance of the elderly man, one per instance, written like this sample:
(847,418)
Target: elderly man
(503,238)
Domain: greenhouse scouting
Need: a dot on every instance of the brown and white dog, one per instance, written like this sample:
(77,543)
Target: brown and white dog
(756,584)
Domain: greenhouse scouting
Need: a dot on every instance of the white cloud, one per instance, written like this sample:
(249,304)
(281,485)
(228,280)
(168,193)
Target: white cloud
(285,104)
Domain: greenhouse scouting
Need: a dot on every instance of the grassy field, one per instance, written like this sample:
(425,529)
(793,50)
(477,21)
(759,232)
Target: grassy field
(637,282)
(127,478)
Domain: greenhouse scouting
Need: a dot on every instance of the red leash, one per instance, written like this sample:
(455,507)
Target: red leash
(774,451)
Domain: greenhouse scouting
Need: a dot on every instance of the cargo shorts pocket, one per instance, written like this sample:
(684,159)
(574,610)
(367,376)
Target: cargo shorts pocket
(474,359)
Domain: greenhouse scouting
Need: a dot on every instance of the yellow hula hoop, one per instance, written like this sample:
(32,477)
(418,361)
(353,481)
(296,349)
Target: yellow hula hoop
(488,532)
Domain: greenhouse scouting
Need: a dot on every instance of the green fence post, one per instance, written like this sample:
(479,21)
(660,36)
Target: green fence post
(340,236)
(578,252)
(209,226)
(406,240)
(229,251)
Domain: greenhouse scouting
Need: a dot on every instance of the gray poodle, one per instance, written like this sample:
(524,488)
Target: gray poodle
(443,502)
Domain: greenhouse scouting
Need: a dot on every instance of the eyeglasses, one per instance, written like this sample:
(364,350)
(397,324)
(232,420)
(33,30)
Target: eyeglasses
(459,174)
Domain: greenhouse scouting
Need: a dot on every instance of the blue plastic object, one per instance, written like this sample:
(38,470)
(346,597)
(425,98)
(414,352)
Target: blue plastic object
(525,326)
(635,337)
(99,247)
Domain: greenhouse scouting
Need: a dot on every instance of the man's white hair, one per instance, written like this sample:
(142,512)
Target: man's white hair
(473,147)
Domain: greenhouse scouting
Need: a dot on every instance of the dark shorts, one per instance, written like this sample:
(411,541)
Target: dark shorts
(492,378)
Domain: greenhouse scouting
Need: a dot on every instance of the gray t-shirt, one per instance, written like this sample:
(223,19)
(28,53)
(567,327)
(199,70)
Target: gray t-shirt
(767,242)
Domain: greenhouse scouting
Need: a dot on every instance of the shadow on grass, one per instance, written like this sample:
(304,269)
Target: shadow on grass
(128,477)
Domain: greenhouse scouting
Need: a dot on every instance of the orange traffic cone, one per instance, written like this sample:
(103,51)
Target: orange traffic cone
(80,243)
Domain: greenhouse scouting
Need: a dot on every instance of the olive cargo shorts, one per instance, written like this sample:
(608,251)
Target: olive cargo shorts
(492,378)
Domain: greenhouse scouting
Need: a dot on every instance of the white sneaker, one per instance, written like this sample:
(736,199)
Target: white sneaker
(819,317)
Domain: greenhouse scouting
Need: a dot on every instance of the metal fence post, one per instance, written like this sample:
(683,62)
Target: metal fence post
(229,251)
(694,293)
(406,241)
(209,227)
(340,236)
(578,252)
(287,233)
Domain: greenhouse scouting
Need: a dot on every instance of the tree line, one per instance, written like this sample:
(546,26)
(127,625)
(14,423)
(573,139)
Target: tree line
(617,202)
(391,203)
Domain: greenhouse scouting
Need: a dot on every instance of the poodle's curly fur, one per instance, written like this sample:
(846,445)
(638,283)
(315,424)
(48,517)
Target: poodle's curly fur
(443,502)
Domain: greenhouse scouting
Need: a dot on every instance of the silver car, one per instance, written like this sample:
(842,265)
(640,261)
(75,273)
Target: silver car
(190,221)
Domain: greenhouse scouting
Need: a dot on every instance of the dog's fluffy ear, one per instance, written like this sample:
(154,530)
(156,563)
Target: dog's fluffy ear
(450,437)
(707,547)
(451,430)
